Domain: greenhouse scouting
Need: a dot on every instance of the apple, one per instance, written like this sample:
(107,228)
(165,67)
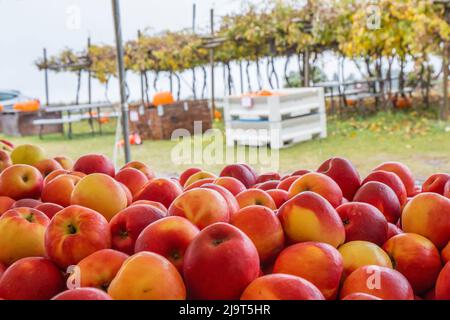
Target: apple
(360,296)
(187,173)
(382,282)
(233,205)
(320,184)
(199,183)
(128,224)
(168,237)
(435,183)
(5,204)
(319,263)
(269,176)
(21,181)
(60,172)
(59,190)
(101,193)
(363,221)
(49,209)
(65,162)
(279,196)
(199,176)
(344,173)
(74,233)
(141,167)
(447,190)
(2,269)
(27,154)
(416,258)
(281,287)
(285,184)
(356,254)
(445,253)
(94,163)
(47,166)
(231,184)
(309,217)
(33,278)
(147,276)
(155,204)
(22,234)
(299,173)
(391,180)
(201,206)
(242,172)
(82,294)
(268,185)
(6,145)
(442,289)
(128,195)
(403,172)
(393,230)
(5,160)
(382,197)
(26,203)
(99,269)
(252,197)
(161,190)
(132,178)
(428,214)
(262,226)
(220,263)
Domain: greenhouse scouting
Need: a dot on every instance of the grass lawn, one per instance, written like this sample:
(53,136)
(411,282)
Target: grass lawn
(416,140)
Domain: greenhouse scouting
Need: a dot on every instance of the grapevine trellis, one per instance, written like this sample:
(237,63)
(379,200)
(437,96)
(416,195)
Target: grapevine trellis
(411,31)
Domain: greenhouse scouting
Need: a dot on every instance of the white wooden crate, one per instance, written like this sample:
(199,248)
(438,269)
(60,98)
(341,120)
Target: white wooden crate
(278,134)
(289,103)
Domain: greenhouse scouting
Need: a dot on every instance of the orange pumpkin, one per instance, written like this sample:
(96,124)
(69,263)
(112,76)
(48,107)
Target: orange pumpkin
(1,107)
(217,115)
(351,102)
(264,93)
(163,98)
(403,103)
(27,106)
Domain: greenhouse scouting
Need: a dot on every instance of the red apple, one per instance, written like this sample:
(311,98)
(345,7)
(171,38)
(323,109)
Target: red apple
(5,204)
(281,287)
(285,184)
(391,180)
(141,167)
(279,196)
(65,162)
(21,181)
(201,206)
(74,233)
(416,258)
(363,221)
(319,263)
(233,205)
(435,183)
(252,197)
(95,163)
(132,178)
(343,173)
(382,197)
(59,190)
(5,160)
(360,296)
(309,217)
(242,172)
(47,166)
(168,237)
(382,282)
(161,190)
(22,234)
(443,283)
(82,294)
(268,185)
(33,278)
(403,173)
(49,209)
(26,203)
(99,269)
(262,226)
(187,173)
(220,263)
(231,184)
(299,172)
(393,230)
(128,224)
(320,184)
(269,176)
(155,204)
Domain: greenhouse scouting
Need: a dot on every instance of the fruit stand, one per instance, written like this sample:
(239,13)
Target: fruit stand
(158,123)
(280,119)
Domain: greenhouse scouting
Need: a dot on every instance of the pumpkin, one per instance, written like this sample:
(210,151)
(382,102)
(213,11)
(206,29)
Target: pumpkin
(163,98)
(351,102)
(264,93)
(27,106)
(403,103)
(1,107)
(217,115)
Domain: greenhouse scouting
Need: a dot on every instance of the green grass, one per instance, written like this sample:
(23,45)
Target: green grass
(416,140)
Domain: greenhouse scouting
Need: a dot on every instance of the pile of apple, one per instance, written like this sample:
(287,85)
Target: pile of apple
(81,230)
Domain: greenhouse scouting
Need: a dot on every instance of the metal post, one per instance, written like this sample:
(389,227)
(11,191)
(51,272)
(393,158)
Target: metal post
(241,76)
(121,74)
(89,75)
(306,68)
(194,16)
(47,101)
(211,61)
